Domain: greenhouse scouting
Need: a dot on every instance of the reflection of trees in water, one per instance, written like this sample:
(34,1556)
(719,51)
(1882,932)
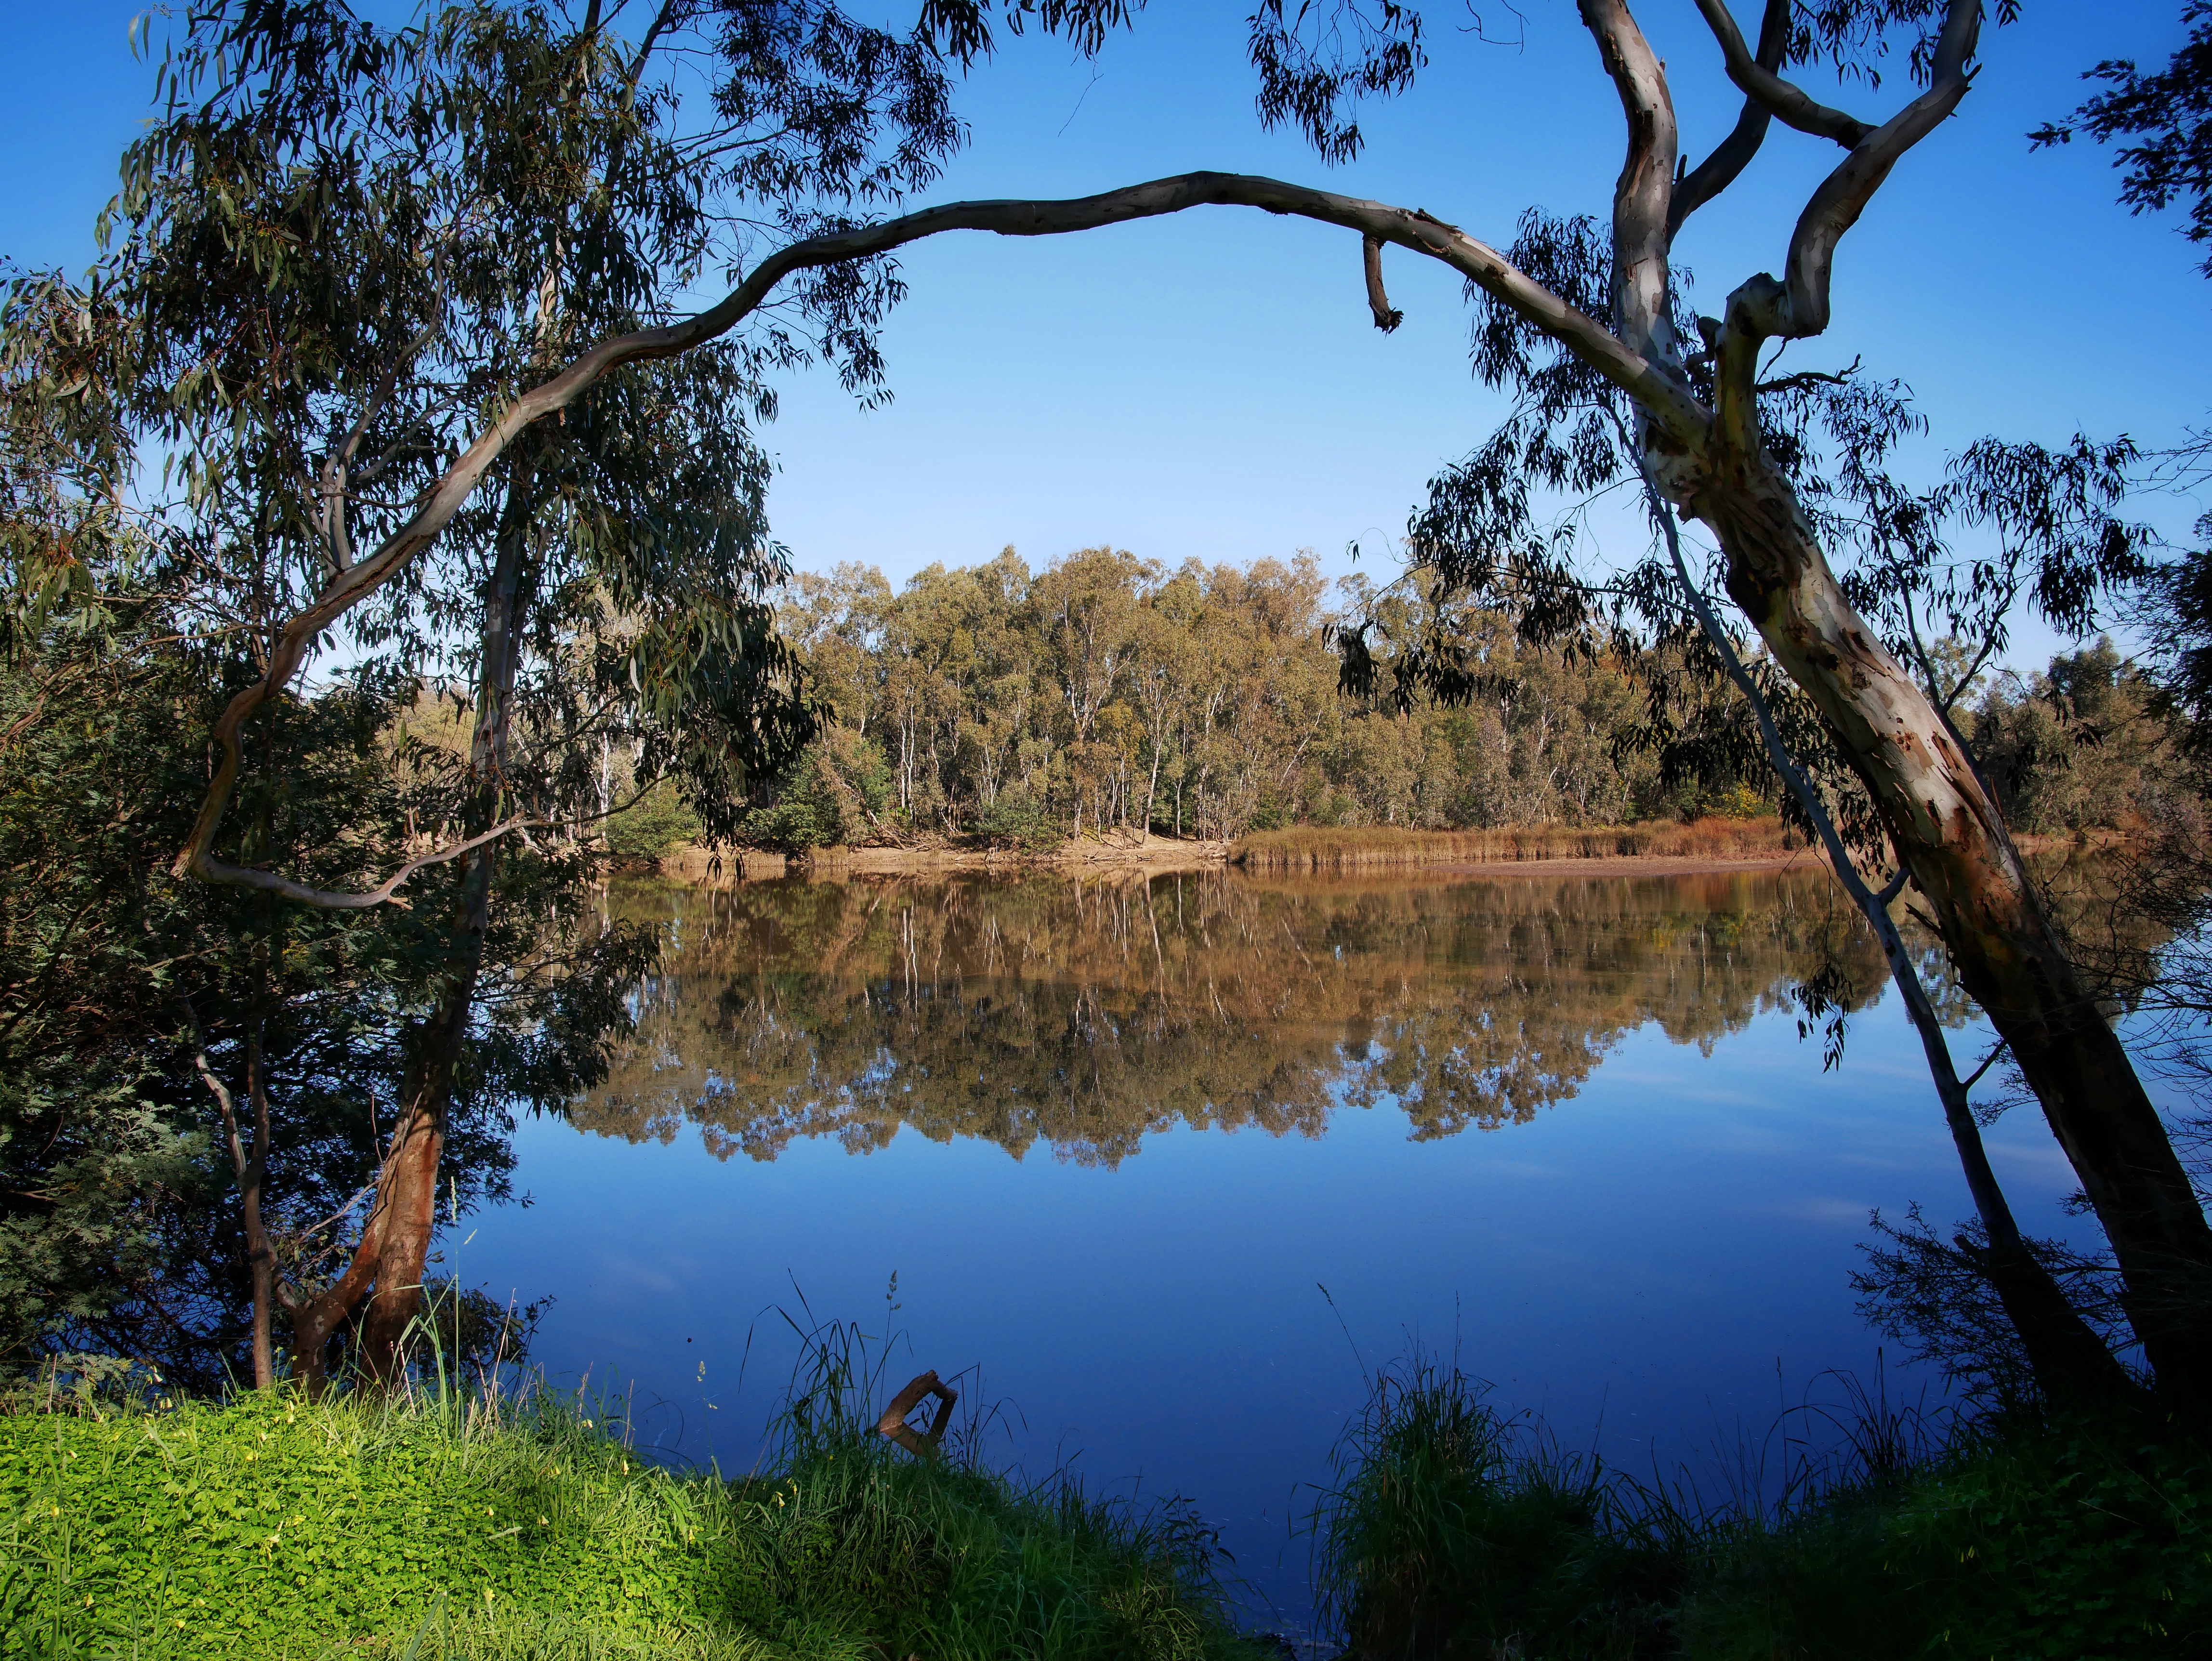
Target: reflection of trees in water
(1086,1015)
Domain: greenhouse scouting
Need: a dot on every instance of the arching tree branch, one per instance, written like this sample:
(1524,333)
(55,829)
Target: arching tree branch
(1669,405)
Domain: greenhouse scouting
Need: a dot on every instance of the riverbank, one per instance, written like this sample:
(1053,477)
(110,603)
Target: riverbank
(276,1527)
(1659,847)
(1707,844)
(435,1531)
(1455,1530)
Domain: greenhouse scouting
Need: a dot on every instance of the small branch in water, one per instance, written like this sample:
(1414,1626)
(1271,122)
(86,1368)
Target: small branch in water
(893,1427)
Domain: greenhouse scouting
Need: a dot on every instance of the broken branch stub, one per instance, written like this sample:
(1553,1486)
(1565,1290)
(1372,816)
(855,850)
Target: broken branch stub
(893,1427)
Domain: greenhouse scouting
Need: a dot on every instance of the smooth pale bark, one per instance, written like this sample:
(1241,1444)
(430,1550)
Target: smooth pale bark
(1944,826)
(1949,833)
(2069,1360)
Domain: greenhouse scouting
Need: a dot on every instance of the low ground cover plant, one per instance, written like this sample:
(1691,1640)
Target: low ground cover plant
(428,1527)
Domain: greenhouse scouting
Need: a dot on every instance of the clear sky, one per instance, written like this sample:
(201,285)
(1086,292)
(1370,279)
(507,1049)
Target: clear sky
(1210,386)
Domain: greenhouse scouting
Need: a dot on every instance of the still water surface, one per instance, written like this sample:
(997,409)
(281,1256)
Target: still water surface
(1114,1137)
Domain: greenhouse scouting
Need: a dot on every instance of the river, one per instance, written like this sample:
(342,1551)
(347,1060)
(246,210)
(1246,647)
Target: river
(1168,1166)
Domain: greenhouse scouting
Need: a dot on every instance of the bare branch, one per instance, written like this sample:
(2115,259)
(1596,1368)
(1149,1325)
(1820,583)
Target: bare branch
(1788,102)
(1998,1052)
(1806,379)
(1720,169)
(221,1092)
(1386,318)
(208,868)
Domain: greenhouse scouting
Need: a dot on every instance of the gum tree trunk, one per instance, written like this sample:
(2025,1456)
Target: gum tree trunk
(396,1248)
(1947,832)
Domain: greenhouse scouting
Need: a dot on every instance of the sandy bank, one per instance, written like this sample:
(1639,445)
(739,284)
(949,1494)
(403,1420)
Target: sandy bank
(1527,852)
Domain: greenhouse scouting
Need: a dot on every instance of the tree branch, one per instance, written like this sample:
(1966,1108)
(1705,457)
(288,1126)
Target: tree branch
(1806,379)
(211,869)
(1784,99)
(1799,307)
(1386,318)
(1643,193)
(1670,403)
(1720,170)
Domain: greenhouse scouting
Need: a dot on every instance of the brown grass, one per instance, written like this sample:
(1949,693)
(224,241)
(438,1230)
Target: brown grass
(1316,847)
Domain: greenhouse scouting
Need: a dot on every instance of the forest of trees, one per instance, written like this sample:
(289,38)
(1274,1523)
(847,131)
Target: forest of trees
(995,704)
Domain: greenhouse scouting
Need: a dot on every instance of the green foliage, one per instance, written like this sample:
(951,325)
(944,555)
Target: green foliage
(1453,1531)
(1739,801)
(1017,821)
(1106,691)
(810,809)
(2085,746)
(2054,1542)
(650,827)
(838,787)
(275,1526)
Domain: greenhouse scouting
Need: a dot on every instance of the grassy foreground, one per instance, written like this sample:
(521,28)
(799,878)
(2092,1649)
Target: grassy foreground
(277,1528)
(1454,1532)
(423,1531)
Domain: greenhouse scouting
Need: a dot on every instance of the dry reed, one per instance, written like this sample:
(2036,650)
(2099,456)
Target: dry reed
(1317,848)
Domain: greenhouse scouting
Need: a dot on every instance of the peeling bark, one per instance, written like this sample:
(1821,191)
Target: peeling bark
(1947,832)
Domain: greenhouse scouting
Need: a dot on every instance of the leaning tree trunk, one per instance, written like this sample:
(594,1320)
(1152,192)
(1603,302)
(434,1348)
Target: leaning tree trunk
(2070,1361)
(407,1196)
(1949,833)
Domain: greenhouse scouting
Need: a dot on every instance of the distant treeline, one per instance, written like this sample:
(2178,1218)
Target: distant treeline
(1104,692)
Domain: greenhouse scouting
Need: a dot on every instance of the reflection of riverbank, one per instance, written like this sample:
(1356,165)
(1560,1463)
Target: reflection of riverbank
(1112,850)
(1660,847)
(1088,1010)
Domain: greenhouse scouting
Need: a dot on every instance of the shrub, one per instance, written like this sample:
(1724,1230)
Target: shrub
(1451,1530)
(1016,821)
(650,827)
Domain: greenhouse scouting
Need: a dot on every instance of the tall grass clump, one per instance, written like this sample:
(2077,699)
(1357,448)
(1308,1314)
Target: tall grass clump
(430,1526)
(1451,1530)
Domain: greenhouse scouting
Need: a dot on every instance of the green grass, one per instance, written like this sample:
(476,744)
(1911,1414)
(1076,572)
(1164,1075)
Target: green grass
(433,1528)
(1452,1530)
(274,1527)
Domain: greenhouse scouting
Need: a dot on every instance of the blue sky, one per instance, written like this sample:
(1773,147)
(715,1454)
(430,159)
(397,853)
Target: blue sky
(1210,386)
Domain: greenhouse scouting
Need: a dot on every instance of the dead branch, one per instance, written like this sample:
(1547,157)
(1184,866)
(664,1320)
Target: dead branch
(1386,318)
(893,1427)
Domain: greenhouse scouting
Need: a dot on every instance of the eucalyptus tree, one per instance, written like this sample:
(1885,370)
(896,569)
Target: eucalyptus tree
(1617,381)
(2159,120)
(353,246)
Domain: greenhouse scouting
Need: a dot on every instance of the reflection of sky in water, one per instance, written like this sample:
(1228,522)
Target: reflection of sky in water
(1652,1264)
